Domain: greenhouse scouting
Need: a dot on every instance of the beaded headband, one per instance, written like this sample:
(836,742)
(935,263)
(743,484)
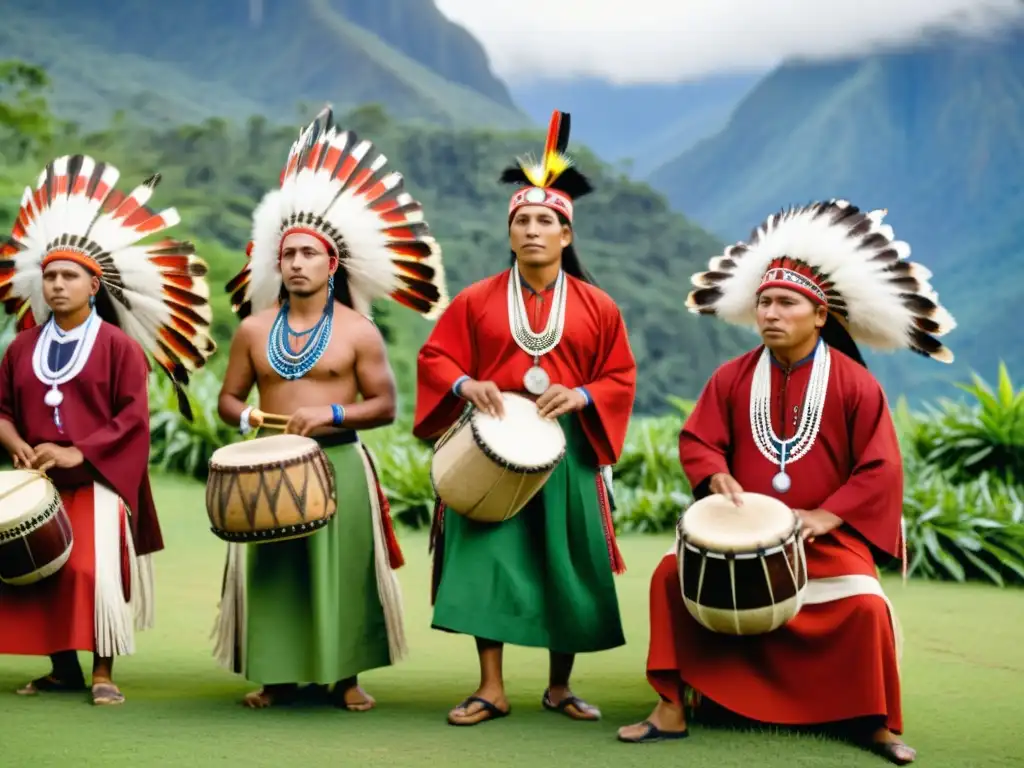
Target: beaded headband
(553,182)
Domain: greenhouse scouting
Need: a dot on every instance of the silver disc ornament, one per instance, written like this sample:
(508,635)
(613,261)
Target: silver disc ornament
(781,482)
(536,381)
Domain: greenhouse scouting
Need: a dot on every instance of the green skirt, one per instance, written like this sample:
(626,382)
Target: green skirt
(542,579)
(313,614)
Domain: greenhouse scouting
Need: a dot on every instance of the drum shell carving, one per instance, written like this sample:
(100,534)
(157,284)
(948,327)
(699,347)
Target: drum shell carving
(39,546)
(477,483)
(271,500)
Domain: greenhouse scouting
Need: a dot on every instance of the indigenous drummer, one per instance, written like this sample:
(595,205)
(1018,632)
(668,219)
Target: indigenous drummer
(819,436)
(90,301)
(338,234)
(544,578)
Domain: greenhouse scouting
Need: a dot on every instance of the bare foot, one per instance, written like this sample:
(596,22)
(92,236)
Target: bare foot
(885,743)
(562,700)
(667,721)
(483,705)
(352,697)
(270,696)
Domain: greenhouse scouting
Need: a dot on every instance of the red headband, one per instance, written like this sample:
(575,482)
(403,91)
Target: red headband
(331,248)
(796,276)
(549,198)
(90,265)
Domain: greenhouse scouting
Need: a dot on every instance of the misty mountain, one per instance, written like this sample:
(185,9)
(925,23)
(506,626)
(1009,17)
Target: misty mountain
(934,134)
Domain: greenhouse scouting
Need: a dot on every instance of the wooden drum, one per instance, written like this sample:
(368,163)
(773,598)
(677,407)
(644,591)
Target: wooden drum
(487,469)
(742,569)
(270,489)
(35,530)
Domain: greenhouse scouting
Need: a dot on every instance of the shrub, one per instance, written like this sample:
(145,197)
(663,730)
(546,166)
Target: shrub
(972,530)
(177,445)
(964,514)
(983,436)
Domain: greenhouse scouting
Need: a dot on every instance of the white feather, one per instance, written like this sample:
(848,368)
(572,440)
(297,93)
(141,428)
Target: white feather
(877,315)
(265,269)
(141,281)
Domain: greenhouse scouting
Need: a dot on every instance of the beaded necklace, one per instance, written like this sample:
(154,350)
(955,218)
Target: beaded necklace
(294,365)
(793,448)
(83,337)
(535,344)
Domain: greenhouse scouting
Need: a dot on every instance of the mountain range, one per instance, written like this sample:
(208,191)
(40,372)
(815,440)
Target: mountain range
(191,59)
(933,133)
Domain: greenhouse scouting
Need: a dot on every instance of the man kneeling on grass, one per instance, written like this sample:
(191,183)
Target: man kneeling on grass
(802,420)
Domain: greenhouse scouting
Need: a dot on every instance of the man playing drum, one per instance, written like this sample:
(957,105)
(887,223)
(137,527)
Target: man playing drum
(543,578)
(74,404)
(339,233)
(814,281)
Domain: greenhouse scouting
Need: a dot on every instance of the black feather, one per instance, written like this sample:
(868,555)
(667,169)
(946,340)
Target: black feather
(571,182)
(562,143)
(514,175)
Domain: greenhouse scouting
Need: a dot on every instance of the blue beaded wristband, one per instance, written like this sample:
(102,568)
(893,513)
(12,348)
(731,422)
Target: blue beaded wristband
(339,414)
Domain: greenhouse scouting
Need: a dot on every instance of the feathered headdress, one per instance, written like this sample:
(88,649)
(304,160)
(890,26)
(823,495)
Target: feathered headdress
(156,293)
(553,182)
(841,258)
(339,189)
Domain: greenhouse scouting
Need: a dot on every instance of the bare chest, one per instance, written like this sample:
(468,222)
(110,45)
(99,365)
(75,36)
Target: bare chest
(335,366)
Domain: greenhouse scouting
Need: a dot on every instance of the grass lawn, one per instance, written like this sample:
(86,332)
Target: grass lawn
(963,668)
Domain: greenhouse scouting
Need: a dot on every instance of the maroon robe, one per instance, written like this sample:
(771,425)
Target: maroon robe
(835,660)
(106,416)
(472,338)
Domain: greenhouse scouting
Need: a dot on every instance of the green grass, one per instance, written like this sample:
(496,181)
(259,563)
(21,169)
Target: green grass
(963,671)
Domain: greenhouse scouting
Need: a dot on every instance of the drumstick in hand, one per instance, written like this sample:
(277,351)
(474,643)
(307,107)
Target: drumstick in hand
(267,420)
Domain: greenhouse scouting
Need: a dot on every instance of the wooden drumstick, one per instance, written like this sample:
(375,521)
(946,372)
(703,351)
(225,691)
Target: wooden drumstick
(268,420)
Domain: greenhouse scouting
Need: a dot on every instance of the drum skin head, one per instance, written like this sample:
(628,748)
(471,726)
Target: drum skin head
(716,523)
(522,438)
(34,490)
(261,449)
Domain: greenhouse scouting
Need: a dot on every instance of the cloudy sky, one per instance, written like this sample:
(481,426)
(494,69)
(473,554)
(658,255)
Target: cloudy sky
(632,41)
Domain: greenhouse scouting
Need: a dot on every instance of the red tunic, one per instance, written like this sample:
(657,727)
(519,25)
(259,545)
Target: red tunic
(473,338)
(106,416)
(835,660)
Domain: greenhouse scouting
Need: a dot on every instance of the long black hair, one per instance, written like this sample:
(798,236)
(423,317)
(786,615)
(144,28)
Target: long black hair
(837,337)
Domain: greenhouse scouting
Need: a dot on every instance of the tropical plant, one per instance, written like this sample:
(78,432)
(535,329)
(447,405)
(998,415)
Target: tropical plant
(650,489)
(177,445)
(985,436)
(960,525)
(973,530)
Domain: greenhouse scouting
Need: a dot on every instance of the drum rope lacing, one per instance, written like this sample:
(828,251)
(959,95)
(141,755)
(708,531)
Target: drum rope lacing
(535,344)
(793,448)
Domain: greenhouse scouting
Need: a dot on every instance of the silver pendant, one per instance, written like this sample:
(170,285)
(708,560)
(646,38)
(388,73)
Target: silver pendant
(536,381)
(781,482)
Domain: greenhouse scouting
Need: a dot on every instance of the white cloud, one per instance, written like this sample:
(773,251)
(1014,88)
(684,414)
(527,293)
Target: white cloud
(673,40)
